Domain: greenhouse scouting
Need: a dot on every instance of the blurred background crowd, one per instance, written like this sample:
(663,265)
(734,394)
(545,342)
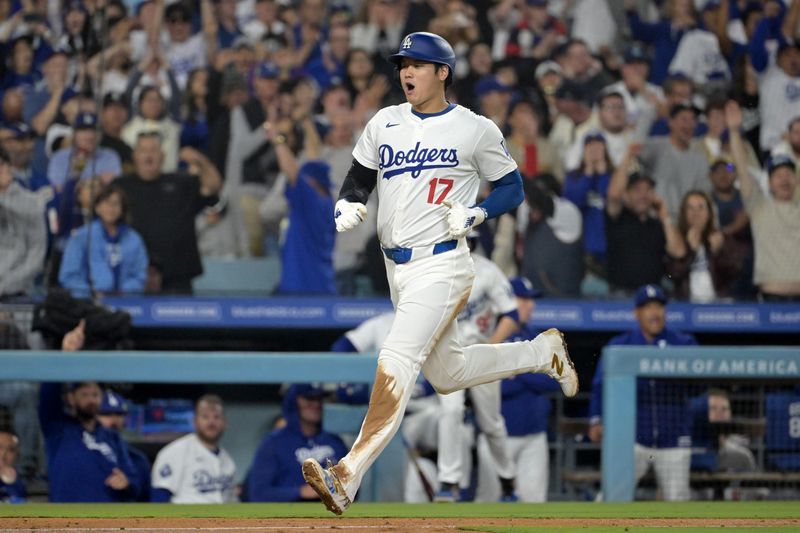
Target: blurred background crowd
(139,138)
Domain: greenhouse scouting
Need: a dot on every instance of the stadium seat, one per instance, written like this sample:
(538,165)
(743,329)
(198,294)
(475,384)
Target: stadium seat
(259,275)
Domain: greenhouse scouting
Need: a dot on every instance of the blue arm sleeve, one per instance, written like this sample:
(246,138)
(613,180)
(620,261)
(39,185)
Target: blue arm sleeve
(596,401)
(506,195)
(343,345)
(160,496)
(757,48)
(647,32)
(51,409)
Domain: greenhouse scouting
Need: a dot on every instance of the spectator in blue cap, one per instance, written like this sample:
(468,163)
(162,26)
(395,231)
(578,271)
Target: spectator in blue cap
(275,475)
(307,253)
(43,103)
(84,159)
(494,98)
(774,217)
(19,146)
(587,188)
(662,421)
(112,413)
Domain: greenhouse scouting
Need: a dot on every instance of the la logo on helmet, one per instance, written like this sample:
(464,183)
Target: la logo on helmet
(407,42)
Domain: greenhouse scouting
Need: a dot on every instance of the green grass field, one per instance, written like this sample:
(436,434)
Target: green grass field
(755,510)
(452,513)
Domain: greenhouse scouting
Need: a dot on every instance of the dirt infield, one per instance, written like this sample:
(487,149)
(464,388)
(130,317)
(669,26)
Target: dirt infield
(369,524)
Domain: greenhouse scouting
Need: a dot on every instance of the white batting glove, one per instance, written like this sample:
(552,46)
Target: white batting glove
(461,219)
(348,215)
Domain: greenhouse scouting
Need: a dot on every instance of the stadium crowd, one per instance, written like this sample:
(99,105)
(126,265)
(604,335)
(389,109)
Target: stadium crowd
(659,143)
(140,137)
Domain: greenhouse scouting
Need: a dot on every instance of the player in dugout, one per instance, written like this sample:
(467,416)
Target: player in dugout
(427,157)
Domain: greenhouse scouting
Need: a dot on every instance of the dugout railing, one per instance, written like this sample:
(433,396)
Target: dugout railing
(710,365)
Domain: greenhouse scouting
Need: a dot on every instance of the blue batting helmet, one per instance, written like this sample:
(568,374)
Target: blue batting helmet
(426,47)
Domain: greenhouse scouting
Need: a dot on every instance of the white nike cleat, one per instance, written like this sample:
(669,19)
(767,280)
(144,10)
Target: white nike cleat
(561,367)
(326,485)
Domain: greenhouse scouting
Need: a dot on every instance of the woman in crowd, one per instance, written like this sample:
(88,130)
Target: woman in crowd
(708,268)
(587,188)
(195,127)
(106,255)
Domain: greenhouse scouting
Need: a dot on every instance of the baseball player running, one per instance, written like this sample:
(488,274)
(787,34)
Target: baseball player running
(426,158)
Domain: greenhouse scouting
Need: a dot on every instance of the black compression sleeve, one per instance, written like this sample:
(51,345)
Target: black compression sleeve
(358,183)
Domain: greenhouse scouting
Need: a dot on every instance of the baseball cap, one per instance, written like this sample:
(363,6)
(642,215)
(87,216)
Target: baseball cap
(178,12)
(711,4)
(594,135)
(308,389)
(721,161)
(636,54)
(242,41)
(21,130)
(546,67)
(85,120)
(774,162)
(683,106)
(268,70)
(115,98)
(650,293)
(523,288)
(319,171)
(537,3)
(609,91)
(50,52)
(570,90)
(636,177)
(113,404)
(488,84)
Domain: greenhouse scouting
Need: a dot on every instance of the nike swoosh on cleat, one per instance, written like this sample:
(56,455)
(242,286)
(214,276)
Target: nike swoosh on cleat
(390,125)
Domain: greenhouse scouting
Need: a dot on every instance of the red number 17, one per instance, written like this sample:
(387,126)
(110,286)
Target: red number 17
(435,182)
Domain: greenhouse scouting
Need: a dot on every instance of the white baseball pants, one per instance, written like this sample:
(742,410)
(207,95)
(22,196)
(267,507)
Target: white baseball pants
(486,401)
(531,456)
(428,294)
(671,466)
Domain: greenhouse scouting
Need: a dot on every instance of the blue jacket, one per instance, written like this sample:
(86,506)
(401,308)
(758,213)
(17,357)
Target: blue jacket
(589,194)
(141,465)
(79,461)
(526,407)
(307,253)
(782,440)
(14,492)
(664,40)
(118,264)
(276,475)
(661,405)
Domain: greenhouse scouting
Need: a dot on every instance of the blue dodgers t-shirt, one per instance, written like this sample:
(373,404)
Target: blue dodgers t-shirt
(307,253)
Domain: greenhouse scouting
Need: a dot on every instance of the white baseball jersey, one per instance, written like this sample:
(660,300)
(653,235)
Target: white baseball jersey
(491,297)
(779,103)
(422,162)
(193,473)
(370,334)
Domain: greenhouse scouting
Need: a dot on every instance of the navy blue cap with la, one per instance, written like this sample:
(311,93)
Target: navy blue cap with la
(650,293)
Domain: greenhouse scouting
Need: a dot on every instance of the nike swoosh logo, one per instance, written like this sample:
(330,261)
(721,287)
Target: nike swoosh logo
(390,125)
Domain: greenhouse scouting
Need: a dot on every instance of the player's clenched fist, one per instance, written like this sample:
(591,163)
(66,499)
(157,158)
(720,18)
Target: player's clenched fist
(348,215)
(461,219)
